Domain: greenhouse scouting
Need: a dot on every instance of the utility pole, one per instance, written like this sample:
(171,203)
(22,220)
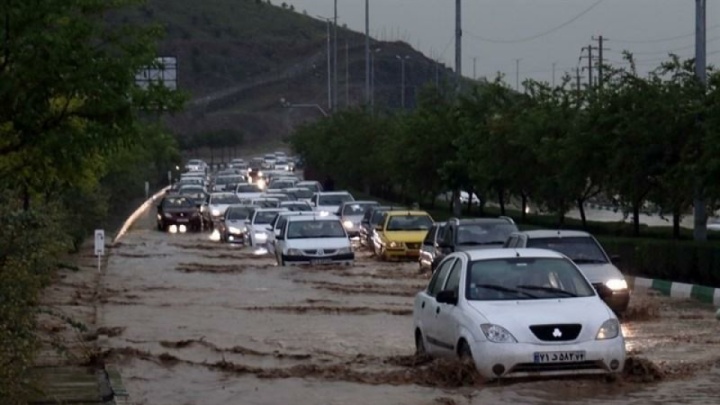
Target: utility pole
(335,60)
(589,67)
(577,80)
(553,73)
(367,51)
(517,75)
(601,59)
(402,87)
(474,68)
(458,44)
(699,214)
(347,74)
(329,68)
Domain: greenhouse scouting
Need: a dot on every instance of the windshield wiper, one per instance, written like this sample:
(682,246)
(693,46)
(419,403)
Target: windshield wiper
(504,289)
(589,261)
(547,289)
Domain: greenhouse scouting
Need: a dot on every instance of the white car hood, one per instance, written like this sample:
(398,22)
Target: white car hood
(332,209)
(236,223)
(220,207)
(518,315)
(319,243)
(600,272)
(249,196)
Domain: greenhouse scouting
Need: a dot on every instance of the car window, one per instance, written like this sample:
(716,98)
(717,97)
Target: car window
(334,199)
(439,277)
(355,209)
(409,223)
(315,229)
(582,249)
(453,279)
(484,233)
(429,238)
(511,242)
(264,217)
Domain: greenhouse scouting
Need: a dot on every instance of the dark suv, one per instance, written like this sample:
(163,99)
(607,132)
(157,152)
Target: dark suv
(472,233)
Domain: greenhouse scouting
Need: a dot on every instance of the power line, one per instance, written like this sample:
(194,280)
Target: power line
(539,35)
(667,39)
(668,51)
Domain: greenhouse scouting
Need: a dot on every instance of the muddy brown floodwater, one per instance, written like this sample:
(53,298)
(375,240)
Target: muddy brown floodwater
(198,322)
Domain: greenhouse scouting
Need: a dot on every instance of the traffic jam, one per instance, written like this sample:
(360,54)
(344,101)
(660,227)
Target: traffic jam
(264,275)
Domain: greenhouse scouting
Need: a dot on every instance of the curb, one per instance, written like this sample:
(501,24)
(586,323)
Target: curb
(673,289)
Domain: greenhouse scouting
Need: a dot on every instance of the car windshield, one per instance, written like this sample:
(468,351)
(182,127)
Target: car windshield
(225,199)
(281,184)
(520,278)
(178,202)
(484,233)
(580,249)
(228,180)
(248,188)
(297,207)
(191,189)
(377,217)
(356,209)
(264,217)
(409,223)
(334,199)
(266,203)
(302,193)
(238,213)
(315,229)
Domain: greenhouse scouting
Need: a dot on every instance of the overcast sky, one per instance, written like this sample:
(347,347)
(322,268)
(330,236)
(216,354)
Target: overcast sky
(498,32)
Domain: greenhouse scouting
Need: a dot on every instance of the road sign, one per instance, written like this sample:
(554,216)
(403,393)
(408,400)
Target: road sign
(99,242)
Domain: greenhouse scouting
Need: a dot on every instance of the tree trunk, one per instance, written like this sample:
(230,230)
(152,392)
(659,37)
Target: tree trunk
(523,206)
(456,204)
(677,216)
(636,218)
(501,201)
(581,207)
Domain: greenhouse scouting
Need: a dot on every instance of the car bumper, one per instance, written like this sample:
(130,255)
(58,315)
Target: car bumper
(235,238)
(402,253)
(345,258)
(510,360)
(618,301)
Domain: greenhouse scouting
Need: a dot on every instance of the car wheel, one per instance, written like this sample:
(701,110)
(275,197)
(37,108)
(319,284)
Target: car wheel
(419,344)
(464,352)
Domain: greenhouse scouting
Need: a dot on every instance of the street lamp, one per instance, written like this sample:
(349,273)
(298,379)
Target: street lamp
(402,89)
(287,104)
(372,74)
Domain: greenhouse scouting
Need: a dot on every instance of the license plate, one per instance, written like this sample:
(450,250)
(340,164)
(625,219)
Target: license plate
(558,357)
(183,220)
(320,261)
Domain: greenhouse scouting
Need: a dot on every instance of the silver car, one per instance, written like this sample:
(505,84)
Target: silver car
(587,253)
(351,213)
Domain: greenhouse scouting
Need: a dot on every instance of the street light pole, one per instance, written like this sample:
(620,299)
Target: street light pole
(699,212)
(329,73)
(402,88)
(335,60)
(367,51)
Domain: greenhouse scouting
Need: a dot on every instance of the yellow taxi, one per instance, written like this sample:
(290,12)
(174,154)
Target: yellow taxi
(400,234)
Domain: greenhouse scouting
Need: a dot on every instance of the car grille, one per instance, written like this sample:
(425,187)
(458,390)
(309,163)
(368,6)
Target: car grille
(557,332)
(314,252)
(546,367)
(413,245)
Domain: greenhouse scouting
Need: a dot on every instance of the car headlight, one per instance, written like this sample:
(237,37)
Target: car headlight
(159,217)
(260,235)
(215,212)
(294,252)
(261,184)
(202,208)
(344,250)
(616,284)
(232,229)
(497,334)
(610,329)
(348,224)
(394,244)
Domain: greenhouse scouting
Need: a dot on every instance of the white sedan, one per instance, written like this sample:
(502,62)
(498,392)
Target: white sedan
(517,313)
(313,239)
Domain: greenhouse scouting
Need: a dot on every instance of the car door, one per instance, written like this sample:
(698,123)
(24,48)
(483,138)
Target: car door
(448,316)
(280,241)
(430,309)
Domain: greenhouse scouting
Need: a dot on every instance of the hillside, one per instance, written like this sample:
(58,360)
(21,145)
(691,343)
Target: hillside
(238,58)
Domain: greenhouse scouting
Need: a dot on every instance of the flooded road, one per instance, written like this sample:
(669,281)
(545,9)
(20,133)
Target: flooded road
(196,322)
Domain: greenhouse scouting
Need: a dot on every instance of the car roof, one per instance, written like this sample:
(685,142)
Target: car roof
(314,216)
(361,202)
(282,203)
(553,233)
(287,213)
(270,210)
(340,192)
(222,194)
(500,253)
(467,221)
(407,212)
(309,182)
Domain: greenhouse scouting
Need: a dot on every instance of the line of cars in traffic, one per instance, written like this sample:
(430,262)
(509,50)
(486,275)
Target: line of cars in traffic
(515,303)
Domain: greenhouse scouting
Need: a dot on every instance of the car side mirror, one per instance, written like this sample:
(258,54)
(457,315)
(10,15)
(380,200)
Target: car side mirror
(447,297)
(615,259)
(604,292)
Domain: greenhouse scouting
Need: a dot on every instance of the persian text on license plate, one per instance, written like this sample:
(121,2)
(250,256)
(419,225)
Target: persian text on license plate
(558,357)
(320,261)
